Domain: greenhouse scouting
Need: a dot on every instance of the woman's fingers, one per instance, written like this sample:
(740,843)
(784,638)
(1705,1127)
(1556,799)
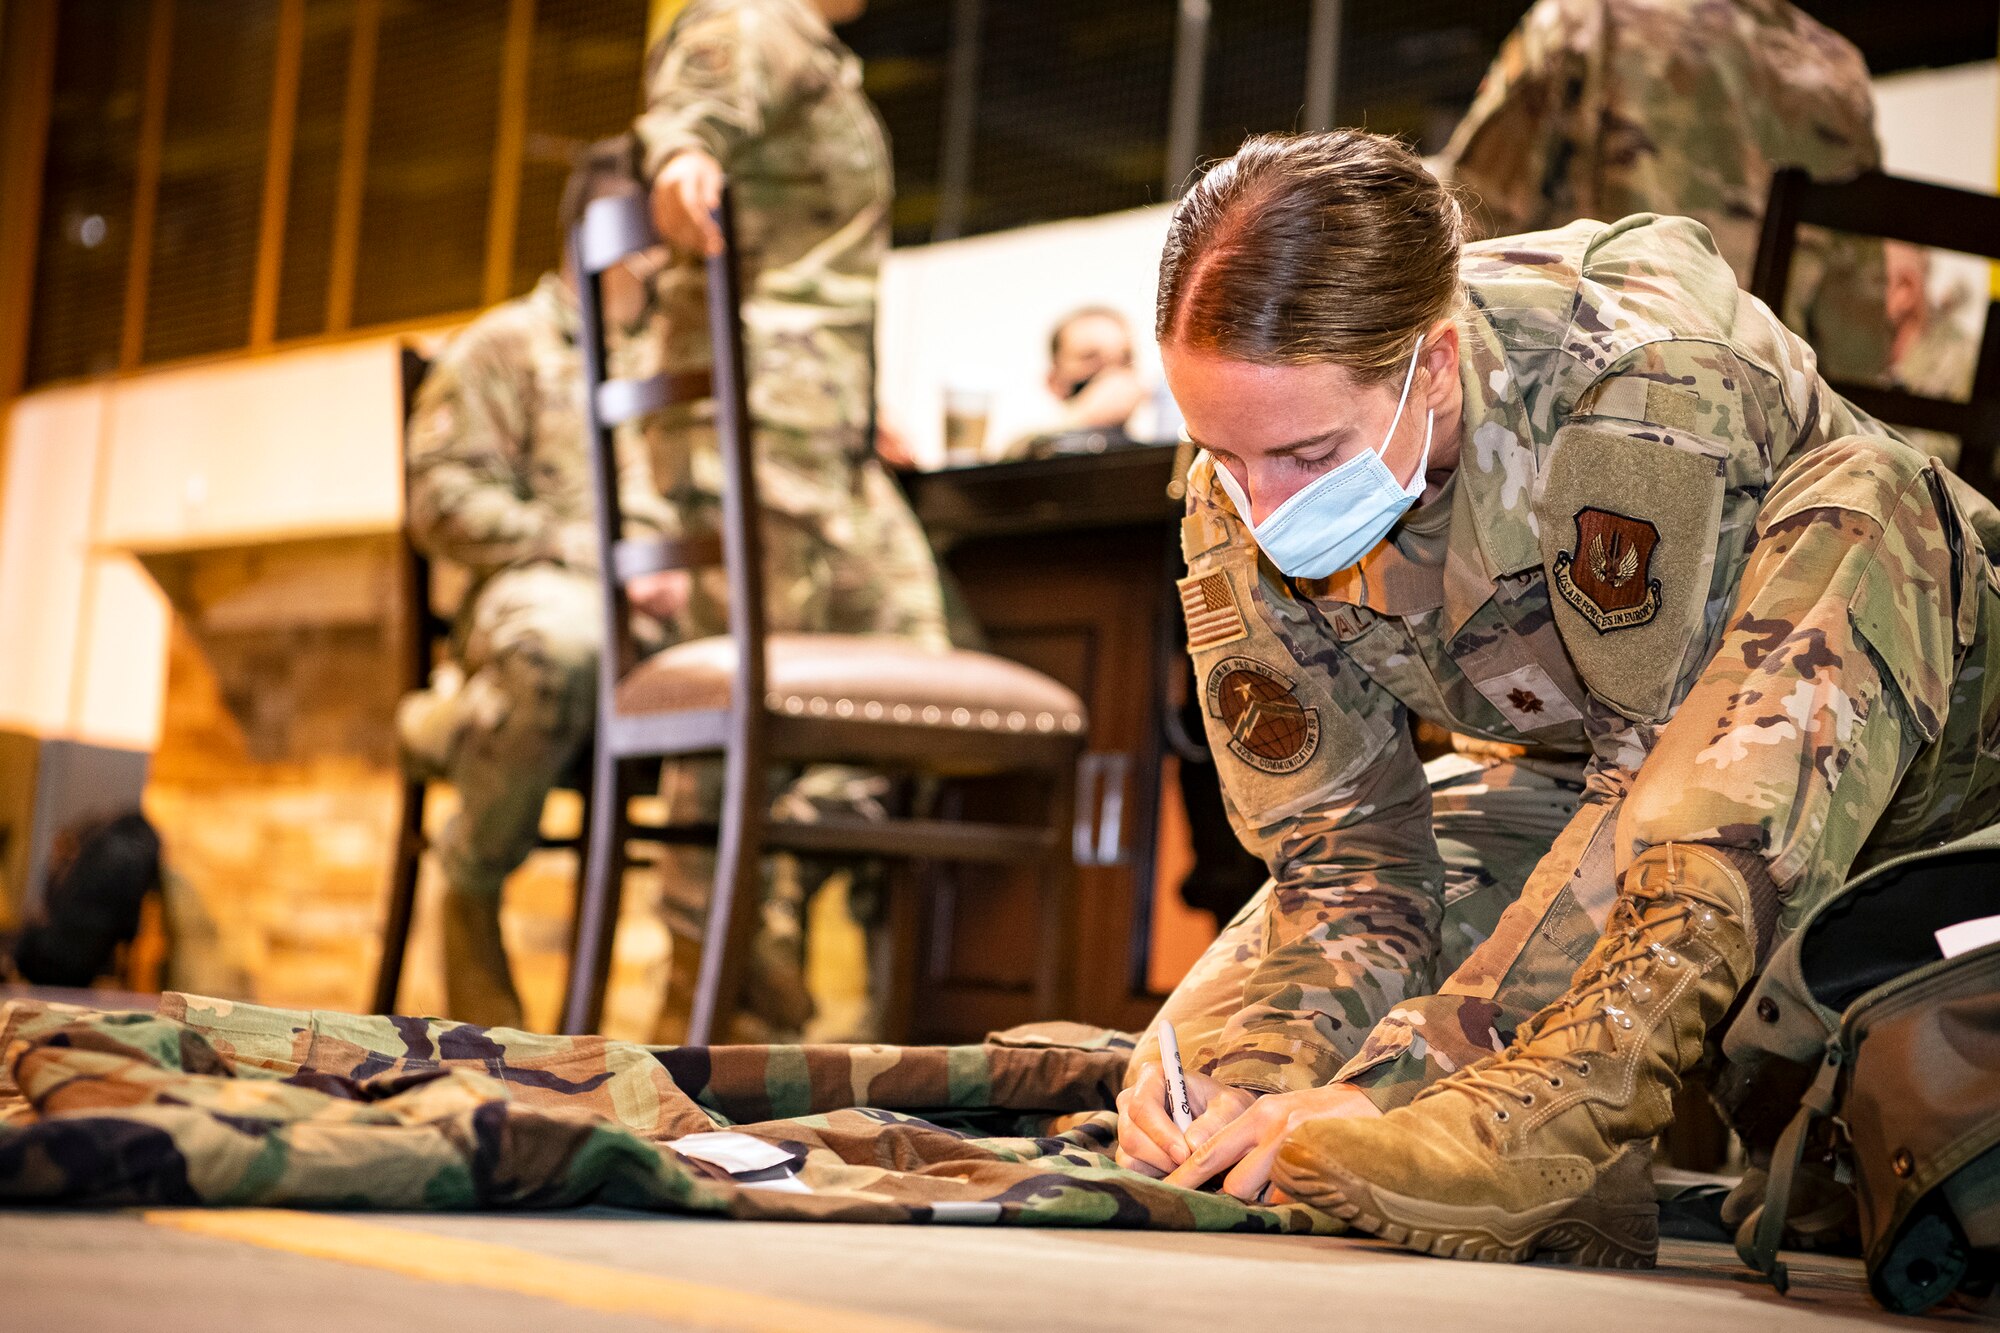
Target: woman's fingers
(1203,1091)
(1144,1105)
(1219,1153)
(1141,1153)
(1136,1140)
(1251,1175)
(1131,1163)
(1223,1107)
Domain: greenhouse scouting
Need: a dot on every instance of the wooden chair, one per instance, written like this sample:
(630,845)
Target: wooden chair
(760,700)
(424,632)
(1920,213)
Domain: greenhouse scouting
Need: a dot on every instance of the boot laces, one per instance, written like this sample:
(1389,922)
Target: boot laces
(1633,947)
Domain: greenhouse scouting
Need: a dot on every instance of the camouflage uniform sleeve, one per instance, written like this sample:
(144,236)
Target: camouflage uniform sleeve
(1518,143)
(1530,955)
(1834,670)
(469,500)
(1647,500)
(1356,901)
(714,81)
(1321,779)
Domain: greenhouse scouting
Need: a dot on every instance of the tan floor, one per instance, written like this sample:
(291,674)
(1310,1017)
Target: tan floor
(252,1270)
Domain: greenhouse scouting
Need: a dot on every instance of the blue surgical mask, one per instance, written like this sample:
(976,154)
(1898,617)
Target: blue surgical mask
(1339,517)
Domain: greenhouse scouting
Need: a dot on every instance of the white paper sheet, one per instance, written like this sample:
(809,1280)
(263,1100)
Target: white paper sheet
(1968,935)
(732,1152)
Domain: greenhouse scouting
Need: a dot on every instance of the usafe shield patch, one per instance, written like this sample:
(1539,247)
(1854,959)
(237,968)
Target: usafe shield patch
(1213,616)
(1607,576)
(1268,728)
(1630,531)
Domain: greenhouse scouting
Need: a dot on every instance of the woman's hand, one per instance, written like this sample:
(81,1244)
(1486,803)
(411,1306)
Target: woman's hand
(1148,1141)
(685,197)
(1247,1144)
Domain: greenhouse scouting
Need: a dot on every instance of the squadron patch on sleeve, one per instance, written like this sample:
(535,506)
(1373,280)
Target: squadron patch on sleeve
(1268,728)
(1607,576)
(1213,616)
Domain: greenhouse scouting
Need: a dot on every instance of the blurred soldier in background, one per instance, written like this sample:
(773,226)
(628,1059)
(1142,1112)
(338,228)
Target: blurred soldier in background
(1933,354)
(1603,108)
(762,93)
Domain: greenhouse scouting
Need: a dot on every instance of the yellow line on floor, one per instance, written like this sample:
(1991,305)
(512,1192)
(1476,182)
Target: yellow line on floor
(454,1259)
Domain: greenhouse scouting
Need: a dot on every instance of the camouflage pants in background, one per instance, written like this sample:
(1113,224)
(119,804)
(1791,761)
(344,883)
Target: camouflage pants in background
(527,645)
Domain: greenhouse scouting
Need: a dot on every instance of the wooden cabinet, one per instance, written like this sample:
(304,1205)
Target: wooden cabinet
(1069,566)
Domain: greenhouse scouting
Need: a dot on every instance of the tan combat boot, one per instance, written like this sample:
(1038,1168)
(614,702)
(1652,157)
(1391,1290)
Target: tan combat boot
(1545,1148)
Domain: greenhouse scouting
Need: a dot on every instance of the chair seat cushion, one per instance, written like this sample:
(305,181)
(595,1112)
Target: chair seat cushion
(867,678)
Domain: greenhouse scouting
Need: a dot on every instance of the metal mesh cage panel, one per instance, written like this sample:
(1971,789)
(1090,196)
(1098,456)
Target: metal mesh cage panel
(583,84)
(430,159)
(204,259)
(85,234)
(317,144)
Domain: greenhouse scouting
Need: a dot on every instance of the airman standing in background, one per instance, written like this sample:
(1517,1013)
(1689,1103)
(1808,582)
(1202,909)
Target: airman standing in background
(1604,108)
(761,93)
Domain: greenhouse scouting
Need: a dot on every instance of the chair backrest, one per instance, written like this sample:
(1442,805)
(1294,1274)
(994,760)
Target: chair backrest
(612,229)
(1919,213)
(423,627)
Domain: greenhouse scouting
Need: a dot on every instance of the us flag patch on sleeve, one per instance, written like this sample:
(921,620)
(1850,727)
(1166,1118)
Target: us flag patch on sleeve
(1213,617)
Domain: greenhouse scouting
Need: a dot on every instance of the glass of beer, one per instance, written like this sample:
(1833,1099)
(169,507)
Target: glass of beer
(965,414)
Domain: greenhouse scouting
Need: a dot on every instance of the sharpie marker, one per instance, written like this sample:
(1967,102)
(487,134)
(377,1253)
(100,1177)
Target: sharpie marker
(1170,1061)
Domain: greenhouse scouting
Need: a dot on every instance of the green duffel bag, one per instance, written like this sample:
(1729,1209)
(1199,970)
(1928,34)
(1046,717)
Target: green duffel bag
(1909,1070)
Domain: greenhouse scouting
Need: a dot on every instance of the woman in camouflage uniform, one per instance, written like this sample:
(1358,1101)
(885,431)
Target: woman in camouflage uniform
(1736,633)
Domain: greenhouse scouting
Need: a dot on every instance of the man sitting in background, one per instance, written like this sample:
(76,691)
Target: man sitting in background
(1603,108)
(1932,353)
(1092,384)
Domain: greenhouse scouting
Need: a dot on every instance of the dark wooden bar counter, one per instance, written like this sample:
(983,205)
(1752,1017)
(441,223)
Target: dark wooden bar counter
(1068,563)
